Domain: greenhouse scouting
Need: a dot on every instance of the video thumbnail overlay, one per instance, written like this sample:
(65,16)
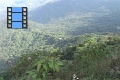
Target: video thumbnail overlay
(17,17)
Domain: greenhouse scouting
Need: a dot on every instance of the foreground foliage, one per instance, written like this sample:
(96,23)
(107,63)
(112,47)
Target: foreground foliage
(90,60)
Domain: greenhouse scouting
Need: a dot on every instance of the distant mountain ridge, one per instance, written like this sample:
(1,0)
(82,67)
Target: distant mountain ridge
(65,7)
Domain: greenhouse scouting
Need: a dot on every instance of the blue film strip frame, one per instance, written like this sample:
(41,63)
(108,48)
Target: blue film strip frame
(17,17)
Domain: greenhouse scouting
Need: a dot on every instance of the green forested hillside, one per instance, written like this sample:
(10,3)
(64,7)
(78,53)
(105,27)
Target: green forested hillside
(58,33)
(65,40)
(95,58)
(85,44)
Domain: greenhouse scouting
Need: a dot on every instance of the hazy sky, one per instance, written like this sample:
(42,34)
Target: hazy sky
(31,4)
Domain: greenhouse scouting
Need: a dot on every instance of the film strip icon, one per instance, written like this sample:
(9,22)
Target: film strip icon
(17,17)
